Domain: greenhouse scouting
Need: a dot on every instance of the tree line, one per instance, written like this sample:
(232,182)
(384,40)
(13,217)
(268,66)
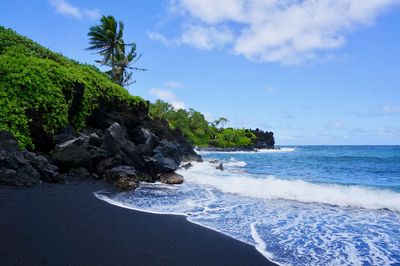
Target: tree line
(198,130)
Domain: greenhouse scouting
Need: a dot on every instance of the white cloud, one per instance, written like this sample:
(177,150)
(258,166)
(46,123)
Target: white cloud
(390,109)
(288,32)
(209,117)
(201,37)
(92,13)
(67,9)
(155,36)
(205,37)
(174,84)
(168,96)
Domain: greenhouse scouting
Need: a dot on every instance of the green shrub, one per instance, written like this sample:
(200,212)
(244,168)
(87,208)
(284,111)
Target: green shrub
(35,80)
(198,130)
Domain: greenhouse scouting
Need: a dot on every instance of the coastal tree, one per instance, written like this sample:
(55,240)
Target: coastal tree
(121,71)
(160,109)
(107,40)
(220,121)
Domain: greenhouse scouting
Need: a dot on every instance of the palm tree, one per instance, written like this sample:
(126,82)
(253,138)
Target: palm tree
(107,39)
(220,121)
(122,73)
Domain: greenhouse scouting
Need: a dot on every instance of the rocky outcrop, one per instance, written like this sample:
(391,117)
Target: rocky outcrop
(23,168)
(72,154)
(186,166)
(264,139)
(121,145)
(161,129)
(114,174)
(134,154)
(125,183)
(171,178)
(78,174)
(47,171)
(159,164)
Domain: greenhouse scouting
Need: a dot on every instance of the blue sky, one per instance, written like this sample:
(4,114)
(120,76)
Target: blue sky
(313,72)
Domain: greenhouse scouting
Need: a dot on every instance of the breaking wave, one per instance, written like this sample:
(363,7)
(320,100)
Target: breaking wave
(271,187)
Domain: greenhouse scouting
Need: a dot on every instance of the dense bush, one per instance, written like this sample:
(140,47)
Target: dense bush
(229,137)
(198,130)
(36,83)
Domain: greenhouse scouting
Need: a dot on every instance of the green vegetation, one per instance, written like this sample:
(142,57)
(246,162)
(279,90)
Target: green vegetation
(198,130)
(39,86)
(106,38)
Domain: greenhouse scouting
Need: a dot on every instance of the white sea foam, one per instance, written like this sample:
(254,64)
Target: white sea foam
(287,232)
(235,163)
(271,187)
(260,245)
(277,150)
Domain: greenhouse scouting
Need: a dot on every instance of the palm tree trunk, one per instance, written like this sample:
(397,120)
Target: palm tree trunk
(112,66)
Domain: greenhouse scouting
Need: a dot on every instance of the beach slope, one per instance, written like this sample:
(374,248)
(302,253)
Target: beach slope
(68,225)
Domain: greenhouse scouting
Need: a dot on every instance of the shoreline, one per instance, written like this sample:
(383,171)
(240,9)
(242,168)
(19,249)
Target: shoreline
(58,224)
(117,204)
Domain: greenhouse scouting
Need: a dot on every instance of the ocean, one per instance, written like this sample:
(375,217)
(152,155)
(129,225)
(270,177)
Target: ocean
(300,205)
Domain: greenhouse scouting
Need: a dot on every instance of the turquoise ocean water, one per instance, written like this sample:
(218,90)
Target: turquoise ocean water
(301,205)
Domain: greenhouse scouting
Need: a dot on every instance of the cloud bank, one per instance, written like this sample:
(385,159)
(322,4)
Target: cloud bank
(168,96)
(67,9)
(284,31)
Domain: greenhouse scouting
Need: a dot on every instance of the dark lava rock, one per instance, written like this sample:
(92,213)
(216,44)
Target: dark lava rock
(171,178)
(79,174)
(95,140)
(90,130)
(126,183)
(65,134)
(147,177)
(48,172)
(159,164)
(170,150)
(72,154)
(14,168)
(144,136)
(116,141)
(118,172)
(97,154)
(264,139)
(186,166)
(8,142)
(220,167)
(107,164)
(214,161)
(144,139)
(162,130)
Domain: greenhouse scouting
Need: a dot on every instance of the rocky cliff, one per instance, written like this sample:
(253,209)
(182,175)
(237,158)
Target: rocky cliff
(120,144)
(264,139)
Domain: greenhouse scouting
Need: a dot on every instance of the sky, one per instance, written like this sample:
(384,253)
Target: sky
(313,72)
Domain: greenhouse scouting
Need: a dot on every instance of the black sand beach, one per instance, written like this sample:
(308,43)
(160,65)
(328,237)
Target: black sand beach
(68,225)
